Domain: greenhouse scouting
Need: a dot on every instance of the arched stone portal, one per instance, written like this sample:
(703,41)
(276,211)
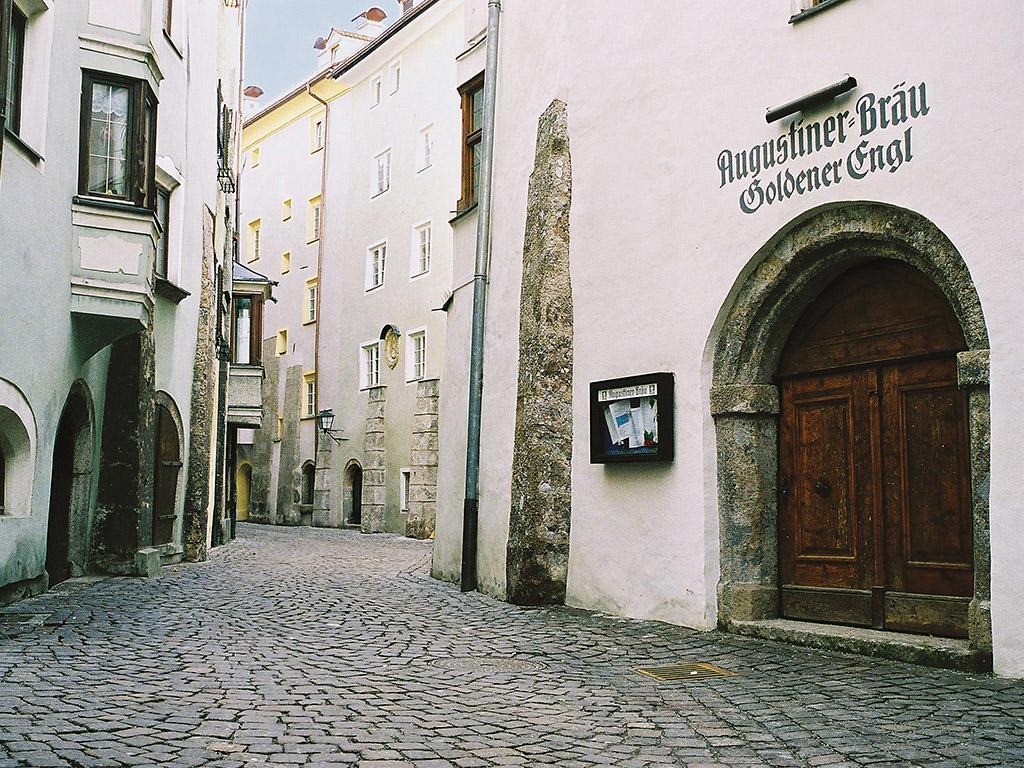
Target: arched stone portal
(750,335)
(67,532)
(352,499)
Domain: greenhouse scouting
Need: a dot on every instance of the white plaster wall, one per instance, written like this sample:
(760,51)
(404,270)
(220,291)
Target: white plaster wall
(43,354)
(645,134)
(427,96)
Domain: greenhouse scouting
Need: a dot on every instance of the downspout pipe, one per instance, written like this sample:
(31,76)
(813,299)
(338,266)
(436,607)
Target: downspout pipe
(319,288)
(471,506)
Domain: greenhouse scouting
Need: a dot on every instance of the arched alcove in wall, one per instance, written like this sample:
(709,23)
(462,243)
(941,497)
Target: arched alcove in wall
(776,289)
(352,494)
(18,440)
(167,464)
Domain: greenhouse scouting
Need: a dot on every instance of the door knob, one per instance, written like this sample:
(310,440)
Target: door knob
(822,487)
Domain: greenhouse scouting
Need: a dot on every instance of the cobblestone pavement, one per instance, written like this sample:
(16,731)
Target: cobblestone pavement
(316,647)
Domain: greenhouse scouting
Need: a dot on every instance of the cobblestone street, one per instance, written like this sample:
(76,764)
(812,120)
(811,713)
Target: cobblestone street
(322,647)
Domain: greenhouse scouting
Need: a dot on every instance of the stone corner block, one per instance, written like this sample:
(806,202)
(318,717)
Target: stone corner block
(760,399)
(147,562)
(747,602)
(972,368)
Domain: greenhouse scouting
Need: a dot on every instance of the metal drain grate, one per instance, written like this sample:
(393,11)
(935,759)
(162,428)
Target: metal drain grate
(675,672)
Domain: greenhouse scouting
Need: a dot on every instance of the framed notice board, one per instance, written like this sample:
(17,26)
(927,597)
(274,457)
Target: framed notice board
(631,419)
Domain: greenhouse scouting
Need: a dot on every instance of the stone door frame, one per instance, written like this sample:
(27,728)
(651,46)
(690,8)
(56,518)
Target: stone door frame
(784,277)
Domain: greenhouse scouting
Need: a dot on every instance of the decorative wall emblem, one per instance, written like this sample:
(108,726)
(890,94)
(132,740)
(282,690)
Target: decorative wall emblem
(391,347)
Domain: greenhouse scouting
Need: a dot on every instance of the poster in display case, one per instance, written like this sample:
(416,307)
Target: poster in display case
(631,419)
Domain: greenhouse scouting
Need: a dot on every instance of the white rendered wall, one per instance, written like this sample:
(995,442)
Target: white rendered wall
(645,134)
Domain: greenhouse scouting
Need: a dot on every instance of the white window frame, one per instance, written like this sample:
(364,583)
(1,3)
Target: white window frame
(411,363)
(376,90)
(380,176)
(394,76)
(371,266)
(286,209)
(255,238)
(425,148)
(416,253)
(365,380)
(404,488)
(315,218)
(308,395)
(316,132)
(310,301)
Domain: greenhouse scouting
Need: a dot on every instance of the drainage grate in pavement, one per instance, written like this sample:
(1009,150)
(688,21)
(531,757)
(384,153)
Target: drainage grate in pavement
(676,672)
(488,665)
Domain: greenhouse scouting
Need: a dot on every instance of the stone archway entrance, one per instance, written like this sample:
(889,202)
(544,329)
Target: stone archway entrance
(785,278)
(67,533)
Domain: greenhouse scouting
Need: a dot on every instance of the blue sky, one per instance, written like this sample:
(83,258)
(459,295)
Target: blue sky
(279,36)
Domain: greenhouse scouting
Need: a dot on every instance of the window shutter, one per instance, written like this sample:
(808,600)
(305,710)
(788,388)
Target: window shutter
(256,331)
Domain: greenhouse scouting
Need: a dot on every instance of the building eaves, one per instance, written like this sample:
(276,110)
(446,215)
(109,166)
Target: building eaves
(339,68)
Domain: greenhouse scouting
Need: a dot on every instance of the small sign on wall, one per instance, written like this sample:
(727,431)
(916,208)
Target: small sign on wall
(631,419)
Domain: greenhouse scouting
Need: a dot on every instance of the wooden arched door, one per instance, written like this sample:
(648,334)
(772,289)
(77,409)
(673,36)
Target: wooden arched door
(875,522)
(165,476)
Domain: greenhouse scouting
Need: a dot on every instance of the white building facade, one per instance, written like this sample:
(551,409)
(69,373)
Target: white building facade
(116,152)
(364,165)
(832,290)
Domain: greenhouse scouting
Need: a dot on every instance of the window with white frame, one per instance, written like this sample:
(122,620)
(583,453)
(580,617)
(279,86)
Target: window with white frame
(313,221)
(310,313)
(316,138)
(382,172)
(376,257)
(394,76)
(309,399)
(416,355)
(424,148)
(254,240)
(405,489)
(376,88)
(421,237)
(369,365)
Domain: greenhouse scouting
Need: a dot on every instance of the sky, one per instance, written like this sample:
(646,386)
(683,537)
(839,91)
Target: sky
(279,36)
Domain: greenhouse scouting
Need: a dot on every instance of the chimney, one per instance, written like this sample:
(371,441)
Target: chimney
(370,22)
(250,101)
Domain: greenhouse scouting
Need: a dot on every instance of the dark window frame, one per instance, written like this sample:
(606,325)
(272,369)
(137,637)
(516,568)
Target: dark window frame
(163,219)
(3,481)
(140,186)
(255,327)
(15,80)
(472,136)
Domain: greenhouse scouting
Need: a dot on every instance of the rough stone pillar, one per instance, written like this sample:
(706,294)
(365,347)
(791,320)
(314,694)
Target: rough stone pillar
(289,470)
(538,542)
(195,519)
(746,430)
(423,483)
(123,518)
(323,514)
(374,519)
(973,377)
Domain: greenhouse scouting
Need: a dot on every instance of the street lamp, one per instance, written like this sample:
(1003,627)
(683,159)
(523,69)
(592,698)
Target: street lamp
(325,422)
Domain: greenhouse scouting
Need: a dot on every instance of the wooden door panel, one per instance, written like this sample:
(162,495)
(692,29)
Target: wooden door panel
(825,510)
(165,480)
(928,514)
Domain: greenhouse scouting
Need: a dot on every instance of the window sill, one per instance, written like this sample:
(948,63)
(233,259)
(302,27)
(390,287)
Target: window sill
(169,290)
(823,6)
(314,150)
(19,142)
(375,195)
(418,275)
(424,168)
(460,215)
(373,288)
(309,322)
(121,206)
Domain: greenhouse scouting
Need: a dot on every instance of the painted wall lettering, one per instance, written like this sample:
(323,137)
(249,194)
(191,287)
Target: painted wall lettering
(870,116)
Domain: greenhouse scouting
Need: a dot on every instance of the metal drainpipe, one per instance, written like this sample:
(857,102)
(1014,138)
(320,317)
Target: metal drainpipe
(471,507)
(319,292)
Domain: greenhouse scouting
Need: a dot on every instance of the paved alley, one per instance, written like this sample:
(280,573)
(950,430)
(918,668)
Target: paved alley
(322,647)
